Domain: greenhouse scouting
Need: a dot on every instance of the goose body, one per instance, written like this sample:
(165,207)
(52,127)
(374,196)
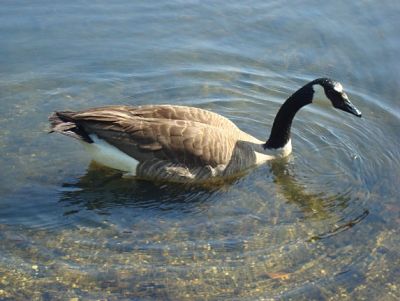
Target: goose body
(186,144)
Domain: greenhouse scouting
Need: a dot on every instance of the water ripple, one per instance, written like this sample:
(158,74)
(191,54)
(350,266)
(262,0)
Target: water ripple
(318,224)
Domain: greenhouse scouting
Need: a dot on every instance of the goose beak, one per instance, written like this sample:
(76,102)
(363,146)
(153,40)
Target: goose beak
(344,104)
(350,108)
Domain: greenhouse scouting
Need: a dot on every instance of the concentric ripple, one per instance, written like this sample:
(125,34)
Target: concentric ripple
(319,225)
(279,229)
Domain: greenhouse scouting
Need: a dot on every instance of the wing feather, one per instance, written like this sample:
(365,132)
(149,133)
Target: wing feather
(182,135)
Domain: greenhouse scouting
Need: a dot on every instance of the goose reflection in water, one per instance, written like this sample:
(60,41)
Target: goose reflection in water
(102,189)
(314,205)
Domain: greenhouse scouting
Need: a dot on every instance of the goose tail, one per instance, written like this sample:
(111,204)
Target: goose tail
(65,124)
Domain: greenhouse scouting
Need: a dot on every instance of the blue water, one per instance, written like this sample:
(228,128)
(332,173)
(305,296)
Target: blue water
(321,225)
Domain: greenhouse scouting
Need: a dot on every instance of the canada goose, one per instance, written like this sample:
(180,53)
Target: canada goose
(187,144)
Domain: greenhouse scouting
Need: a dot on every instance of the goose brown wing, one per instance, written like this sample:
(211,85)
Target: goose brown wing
(188,142)
(171,112)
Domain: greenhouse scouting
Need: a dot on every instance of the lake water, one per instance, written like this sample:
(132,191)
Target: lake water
(321,225)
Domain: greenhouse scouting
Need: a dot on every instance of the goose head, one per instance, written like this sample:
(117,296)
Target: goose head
(320,90)
(325,90)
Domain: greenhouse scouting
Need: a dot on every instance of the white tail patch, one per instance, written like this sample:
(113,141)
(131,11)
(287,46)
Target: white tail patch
(108,155)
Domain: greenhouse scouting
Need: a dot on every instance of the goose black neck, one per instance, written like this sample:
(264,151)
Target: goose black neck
(280,133)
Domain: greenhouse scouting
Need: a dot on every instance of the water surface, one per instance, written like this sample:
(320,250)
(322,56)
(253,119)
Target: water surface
(321,225)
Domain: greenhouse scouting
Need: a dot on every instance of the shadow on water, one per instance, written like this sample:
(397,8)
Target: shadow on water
(311,204)
(102,189)
(314,205)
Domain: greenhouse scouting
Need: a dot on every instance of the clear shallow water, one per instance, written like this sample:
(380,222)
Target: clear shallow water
(321,225)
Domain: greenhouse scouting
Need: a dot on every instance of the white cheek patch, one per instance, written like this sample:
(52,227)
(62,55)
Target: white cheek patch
(319,95)
(338,87)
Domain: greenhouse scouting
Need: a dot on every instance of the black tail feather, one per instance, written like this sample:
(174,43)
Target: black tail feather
(64,123)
